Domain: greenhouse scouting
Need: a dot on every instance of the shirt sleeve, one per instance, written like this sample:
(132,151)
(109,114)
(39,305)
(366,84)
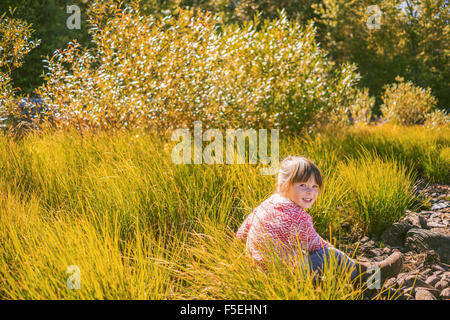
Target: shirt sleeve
(242,232)
(306,235)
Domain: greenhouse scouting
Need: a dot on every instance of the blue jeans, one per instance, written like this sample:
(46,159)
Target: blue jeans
(317,259)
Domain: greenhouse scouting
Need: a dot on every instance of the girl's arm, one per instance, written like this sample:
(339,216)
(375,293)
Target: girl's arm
(307,236)
(243,229)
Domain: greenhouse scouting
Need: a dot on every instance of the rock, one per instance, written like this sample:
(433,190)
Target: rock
(431,257)
(411,219)
(376,252)
(390,283)
(407,296)
(392,294)
(423,222)
(422,294)
(428,213)
(395,235)
(438,206)
(420,240)
(435,225)
(438,268)
(427,272)
(446,276)
(364,239)
(433,280)
(409,291)
(402,249)
(416,281)
(441,285)
(445,294)
(387,250)
(435,215)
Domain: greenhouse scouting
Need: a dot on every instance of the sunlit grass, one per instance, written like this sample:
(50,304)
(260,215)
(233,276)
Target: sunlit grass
(140,227)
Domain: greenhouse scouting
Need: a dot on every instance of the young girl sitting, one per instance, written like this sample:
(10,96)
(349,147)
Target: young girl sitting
(282,220)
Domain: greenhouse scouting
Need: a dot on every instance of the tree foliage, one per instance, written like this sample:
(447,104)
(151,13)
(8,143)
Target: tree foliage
(168,72)
(412,41)
(15,43)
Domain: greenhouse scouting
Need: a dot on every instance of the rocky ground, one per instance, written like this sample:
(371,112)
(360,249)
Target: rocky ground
(424,239)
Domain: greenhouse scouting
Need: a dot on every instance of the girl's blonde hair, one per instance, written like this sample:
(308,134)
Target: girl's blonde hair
(297,169)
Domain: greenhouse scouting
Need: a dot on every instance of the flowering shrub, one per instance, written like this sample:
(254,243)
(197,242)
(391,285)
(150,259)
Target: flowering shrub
(405,103)
(167,72)
(437,118)
(361,110)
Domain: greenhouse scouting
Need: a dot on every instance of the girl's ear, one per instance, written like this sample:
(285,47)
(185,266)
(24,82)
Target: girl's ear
(283,187)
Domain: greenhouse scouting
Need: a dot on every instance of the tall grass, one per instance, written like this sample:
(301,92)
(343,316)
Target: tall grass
(424,150)
(140,227)
(218,268)
(379,190)
(37,249)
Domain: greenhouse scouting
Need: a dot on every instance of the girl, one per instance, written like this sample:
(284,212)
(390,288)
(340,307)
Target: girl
(282,220)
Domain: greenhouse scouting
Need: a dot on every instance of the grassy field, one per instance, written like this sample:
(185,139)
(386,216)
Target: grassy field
(140,227)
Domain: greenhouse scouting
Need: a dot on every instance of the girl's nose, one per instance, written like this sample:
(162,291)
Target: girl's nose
(309,190)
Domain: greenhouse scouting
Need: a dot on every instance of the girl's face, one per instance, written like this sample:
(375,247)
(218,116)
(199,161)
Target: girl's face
(303,193)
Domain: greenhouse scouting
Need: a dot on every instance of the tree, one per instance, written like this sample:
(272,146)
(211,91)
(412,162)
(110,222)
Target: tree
(412,41)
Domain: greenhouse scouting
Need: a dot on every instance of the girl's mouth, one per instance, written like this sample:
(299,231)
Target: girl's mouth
(307,200)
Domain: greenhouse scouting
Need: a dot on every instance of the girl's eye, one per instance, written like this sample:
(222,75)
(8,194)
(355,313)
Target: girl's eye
(315,186)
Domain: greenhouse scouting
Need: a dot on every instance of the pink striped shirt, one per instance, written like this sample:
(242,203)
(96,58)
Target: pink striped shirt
(284,223)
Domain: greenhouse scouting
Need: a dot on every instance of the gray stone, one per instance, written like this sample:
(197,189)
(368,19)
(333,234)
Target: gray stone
(387,250)
(433,280)
(441,285)
(438,206)
(445,294)
(416,281)
(446,276)
(435,215)
(422,294)
(376,252)
(412,219)
(408,296)
(423,222)
(409,291)
(427,272)
(431,257)
(395,235)
(435,225)
(420,240)
(438,269)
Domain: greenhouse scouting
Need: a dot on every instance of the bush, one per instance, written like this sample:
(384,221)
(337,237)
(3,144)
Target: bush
(361,111)
(15,44)
(178,69)
(437,118)
(405,103)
